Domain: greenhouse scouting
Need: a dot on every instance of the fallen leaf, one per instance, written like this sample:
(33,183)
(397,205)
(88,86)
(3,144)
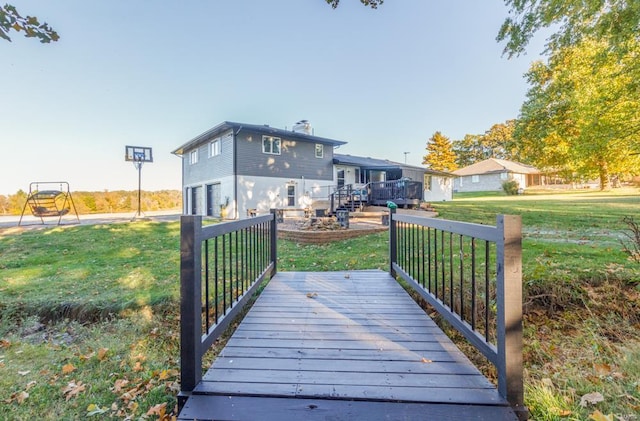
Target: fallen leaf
(347,276)
(602,369)
(591,399)
(425,360)
(599,416)
(102,353)
(30,385)
(73,389)
(312,294)
(24,373)
(138,367)
(94,409)
(22,396)
(68,368)
(4,343)
(158,409)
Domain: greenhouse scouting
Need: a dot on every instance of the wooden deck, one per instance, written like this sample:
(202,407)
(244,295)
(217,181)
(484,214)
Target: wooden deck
(341,346)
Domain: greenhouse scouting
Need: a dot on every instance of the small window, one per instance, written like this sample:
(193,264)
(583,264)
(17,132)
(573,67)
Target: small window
(271,145)
(214,147)
(504,176)
(193,157)
(427,182)
(475,178)
(291,195)
(319,150)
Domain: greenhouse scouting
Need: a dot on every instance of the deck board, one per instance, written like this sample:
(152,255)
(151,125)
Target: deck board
(350,336)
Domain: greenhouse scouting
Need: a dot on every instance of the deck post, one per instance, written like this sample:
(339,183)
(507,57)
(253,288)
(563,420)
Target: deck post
(274,242)
(509,317)
(393,242)
(190,304)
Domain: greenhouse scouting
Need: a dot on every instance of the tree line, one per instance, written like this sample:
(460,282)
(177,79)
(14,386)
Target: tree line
(581,115)
(103,202)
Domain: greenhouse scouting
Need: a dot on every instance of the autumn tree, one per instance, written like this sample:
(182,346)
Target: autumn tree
(10,20)
(580,115)
(573,21)
(497,142)
(440,155)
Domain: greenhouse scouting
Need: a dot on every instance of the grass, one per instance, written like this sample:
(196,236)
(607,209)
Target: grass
(89,322)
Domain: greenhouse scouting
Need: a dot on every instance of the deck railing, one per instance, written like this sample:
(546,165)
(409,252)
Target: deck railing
(221,266)
(472,275)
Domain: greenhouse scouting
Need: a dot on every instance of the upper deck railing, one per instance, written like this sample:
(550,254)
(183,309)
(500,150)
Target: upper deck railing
(472,275)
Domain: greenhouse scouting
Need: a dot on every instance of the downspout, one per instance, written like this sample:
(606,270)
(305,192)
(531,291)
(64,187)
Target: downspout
(235,173)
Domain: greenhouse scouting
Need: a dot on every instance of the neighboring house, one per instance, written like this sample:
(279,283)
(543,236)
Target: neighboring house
(236,168)
(488,175)
(435,186)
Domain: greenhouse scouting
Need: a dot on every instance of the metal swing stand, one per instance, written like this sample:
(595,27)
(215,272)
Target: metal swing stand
(49,203)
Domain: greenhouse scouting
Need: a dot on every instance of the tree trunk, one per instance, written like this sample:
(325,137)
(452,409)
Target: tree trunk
(603,172)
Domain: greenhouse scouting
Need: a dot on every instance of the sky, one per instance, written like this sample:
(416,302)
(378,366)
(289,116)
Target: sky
(158,73)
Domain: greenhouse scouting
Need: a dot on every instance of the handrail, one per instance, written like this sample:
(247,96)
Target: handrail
(221,266)
(472,275)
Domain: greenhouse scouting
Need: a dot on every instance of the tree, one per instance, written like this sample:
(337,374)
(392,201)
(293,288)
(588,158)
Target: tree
(617,21)
(10,19)
(440,155)
(580,115)
(497,142)
(371,3)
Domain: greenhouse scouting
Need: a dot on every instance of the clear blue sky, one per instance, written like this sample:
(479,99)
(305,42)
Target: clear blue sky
(158,73)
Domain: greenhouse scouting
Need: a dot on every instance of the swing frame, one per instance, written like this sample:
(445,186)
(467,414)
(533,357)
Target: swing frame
(49,202)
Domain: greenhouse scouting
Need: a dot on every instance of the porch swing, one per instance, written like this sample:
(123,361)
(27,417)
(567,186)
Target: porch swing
(49,202)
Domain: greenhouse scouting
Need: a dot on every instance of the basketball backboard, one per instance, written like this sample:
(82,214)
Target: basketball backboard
(138,154)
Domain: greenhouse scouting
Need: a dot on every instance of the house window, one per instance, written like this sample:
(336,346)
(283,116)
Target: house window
(291,195)
(504,176)
(319,150)
(475,178)
(215,147)
(193,157)
(427,182)
(340,178)
(271,145)
(356,174)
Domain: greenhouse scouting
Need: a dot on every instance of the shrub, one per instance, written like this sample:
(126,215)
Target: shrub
(510,187)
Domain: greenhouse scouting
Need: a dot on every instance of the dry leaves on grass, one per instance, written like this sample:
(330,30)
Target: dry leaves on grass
(18,397)
(73,389)
(68,368)
(592,398)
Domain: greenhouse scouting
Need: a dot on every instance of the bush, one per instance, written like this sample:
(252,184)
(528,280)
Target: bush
(510,187)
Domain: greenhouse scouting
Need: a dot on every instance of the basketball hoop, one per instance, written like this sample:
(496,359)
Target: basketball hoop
(138,155)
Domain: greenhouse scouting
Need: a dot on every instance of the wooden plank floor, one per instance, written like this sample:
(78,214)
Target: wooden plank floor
(341,345)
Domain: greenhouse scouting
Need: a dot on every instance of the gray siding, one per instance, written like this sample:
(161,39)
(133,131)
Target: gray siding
(297,159)
(208,168)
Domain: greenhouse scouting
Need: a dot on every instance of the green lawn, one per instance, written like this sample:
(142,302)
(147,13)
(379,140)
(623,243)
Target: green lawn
(89,321)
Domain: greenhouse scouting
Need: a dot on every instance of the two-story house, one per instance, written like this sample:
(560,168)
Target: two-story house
(236,167)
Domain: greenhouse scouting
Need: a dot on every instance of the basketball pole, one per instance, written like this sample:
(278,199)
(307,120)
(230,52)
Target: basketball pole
(139,167)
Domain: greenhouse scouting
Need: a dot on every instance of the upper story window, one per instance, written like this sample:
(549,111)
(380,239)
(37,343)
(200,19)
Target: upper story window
(271,145)
(319,150)
(215,147)
(193,157)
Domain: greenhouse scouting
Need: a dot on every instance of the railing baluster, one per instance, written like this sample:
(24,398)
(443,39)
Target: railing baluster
(487,297)
(451,274)
(461,246)
(217,278)
(473,283)
(206,285)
